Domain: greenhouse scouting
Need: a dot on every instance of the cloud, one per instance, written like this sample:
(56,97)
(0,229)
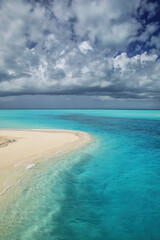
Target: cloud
(84,47)
(106,22)
(138,74)
(80,48)
(123,62)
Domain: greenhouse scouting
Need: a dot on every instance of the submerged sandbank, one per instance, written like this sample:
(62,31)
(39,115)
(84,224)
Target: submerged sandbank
(24,148)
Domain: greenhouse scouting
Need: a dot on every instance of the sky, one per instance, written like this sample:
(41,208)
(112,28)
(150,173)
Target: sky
(80,54)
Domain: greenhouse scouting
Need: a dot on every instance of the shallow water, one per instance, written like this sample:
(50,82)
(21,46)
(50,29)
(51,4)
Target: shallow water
(109,190)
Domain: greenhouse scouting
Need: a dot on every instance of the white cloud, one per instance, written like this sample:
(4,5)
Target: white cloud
(105,21)
(122,61)
(84,47)
(105,98)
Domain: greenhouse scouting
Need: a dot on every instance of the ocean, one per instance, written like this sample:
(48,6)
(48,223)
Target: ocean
(108,190)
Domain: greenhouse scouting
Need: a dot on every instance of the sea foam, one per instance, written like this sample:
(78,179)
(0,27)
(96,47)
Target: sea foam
(30,166)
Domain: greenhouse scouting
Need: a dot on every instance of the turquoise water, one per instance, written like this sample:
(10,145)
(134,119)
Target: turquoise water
(109,190)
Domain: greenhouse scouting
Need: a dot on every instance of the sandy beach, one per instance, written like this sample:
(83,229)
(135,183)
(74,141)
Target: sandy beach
(24,148)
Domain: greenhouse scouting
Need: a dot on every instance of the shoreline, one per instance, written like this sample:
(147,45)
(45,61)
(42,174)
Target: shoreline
(26,147)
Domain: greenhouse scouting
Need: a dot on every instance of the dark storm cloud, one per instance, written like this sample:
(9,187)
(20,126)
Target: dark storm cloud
(101,48)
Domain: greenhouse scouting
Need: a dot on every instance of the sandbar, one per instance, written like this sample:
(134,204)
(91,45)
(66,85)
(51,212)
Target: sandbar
(20,147)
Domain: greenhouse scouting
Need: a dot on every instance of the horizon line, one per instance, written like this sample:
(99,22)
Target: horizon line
(79,108)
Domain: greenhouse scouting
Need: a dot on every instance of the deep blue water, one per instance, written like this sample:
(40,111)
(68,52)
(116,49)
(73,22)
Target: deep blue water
(109,190)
